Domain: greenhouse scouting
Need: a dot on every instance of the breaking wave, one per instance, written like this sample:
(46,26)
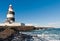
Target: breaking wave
(51,34)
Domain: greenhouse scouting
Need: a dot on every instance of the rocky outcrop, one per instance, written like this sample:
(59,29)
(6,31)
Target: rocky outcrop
(6,33)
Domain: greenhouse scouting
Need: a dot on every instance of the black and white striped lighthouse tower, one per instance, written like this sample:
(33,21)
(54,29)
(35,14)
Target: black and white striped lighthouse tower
(10,15)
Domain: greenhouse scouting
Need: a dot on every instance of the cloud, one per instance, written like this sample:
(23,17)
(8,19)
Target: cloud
(51,24)
(54,24)
(41,25)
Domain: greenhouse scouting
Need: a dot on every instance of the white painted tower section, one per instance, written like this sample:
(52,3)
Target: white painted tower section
(10,9)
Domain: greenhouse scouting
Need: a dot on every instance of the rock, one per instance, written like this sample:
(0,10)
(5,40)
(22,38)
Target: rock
(6,33)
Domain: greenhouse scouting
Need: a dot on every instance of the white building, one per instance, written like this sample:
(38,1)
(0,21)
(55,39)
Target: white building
(10,20)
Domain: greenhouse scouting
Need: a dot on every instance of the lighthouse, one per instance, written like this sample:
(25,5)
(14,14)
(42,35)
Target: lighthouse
(10,15)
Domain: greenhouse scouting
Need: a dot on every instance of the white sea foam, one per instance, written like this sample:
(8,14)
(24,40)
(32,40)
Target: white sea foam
(49,37)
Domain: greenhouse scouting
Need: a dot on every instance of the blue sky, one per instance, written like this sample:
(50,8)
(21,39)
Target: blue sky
(41,12)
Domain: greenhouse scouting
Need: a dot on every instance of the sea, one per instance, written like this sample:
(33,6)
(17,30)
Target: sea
(50,34)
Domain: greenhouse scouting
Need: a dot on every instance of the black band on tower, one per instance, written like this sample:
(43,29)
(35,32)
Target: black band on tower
(11,12)
(11,19)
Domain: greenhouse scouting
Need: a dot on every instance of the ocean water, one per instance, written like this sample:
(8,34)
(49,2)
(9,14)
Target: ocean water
(50,34)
